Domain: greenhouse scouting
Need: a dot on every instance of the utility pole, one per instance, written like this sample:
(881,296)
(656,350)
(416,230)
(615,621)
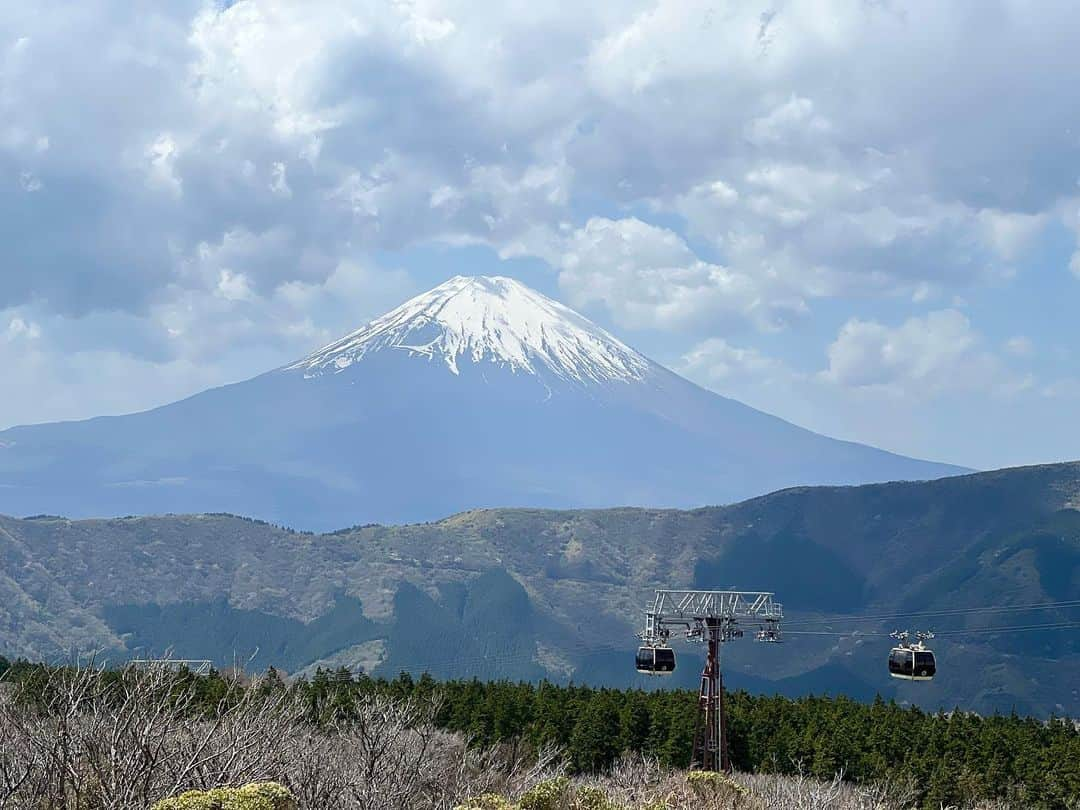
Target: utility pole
(712,618)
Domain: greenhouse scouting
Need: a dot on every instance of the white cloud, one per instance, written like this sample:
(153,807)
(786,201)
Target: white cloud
(234,286)
(1011,233)
(804,115)
(283,322)
(161,172)
(716,362)
(1067,389)
(794,119)
(518,118)
(921,357)
(192,340)
(19,329)
(648,276)
(276,146)
(29,182)
(1019,346)
(851,227)
(423,28)
(279,183)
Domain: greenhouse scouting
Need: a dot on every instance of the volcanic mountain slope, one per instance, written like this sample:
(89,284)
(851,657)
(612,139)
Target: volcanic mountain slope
(478,393)
(527,593)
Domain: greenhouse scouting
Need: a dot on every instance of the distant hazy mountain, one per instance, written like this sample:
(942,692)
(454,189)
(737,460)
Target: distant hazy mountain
(478,393)
(990,561)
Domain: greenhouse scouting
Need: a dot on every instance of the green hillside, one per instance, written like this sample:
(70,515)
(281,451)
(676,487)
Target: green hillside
(533,593)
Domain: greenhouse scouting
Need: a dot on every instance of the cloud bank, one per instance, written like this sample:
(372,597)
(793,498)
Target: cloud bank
(193,193)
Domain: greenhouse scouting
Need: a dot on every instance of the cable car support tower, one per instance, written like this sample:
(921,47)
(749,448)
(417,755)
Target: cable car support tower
(711,618)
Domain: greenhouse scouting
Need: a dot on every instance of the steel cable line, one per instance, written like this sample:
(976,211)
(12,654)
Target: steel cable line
(578,646)
(979,609)
(1023,628)
(508,658)
(985,609)
(524,657)
(1069,625)
(527,656)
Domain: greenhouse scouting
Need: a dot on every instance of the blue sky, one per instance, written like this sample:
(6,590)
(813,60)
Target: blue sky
(860,216)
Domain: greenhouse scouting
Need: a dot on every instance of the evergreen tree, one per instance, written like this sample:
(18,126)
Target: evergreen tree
(594,743)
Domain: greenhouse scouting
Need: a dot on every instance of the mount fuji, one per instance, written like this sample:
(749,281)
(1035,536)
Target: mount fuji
(480,392)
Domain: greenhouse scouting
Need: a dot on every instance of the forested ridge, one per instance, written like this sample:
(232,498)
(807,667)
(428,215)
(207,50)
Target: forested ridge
(953,758)
(525,594)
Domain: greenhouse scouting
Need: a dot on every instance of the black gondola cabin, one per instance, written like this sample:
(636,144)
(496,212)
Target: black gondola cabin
(655,660)
(912,664)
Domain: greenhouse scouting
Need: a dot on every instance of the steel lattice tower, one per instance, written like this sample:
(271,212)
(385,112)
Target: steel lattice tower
(712,618)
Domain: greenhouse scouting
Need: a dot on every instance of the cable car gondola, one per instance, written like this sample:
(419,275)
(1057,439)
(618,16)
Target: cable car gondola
(914,661)
(655,660)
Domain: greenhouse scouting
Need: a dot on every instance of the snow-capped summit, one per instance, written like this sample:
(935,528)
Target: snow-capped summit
(480,392)
(488,319)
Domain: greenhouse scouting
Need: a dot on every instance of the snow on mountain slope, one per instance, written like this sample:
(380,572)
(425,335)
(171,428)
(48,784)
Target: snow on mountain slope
(492,319)
(480,392)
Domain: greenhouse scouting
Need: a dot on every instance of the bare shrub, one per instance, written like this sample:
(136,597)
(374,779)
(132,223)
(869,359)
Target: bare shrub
(87,739)
(640,782)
